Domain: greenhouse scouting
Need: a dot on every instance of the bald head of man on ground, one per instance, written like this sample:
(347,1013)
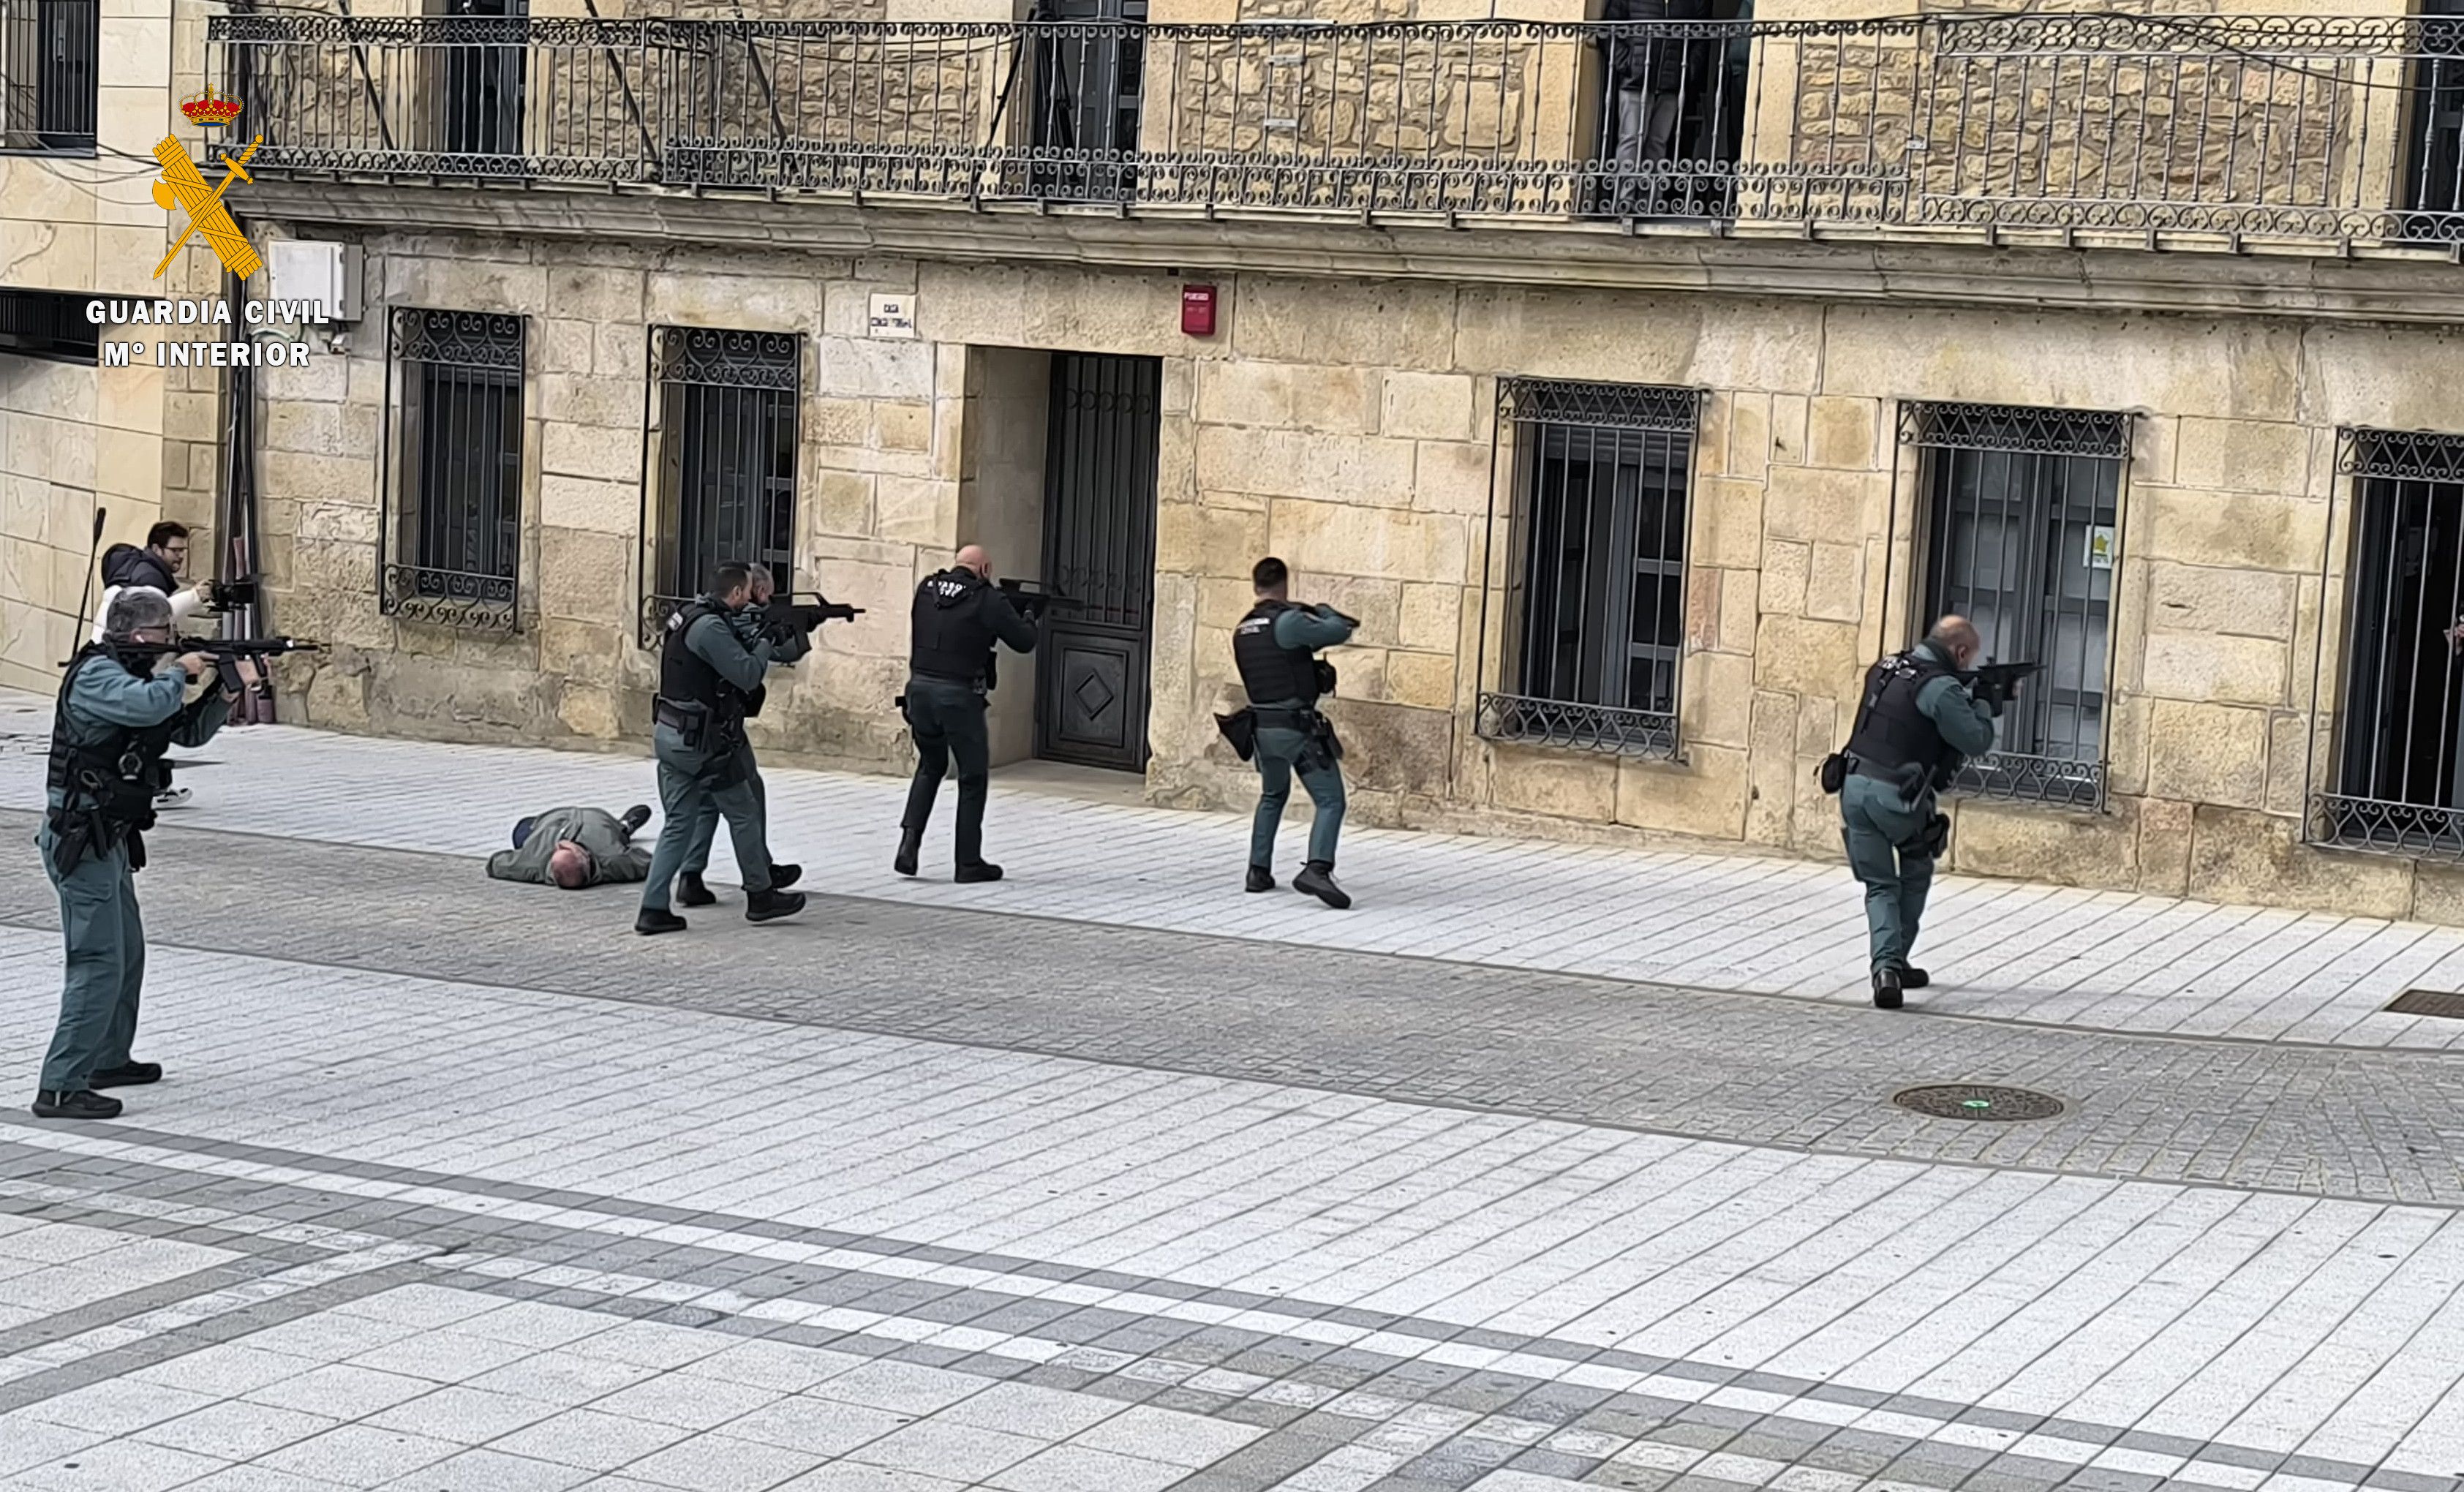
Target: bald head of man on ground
(572,849)
(1917,720)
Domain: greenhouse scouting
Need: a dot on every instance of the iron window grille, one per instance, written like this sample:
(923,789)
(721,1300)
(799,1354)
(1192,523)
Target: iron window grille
(2398,783)
(1595,574)
(49,84)
(2022,535)
(454,447)
(723,434)
(47,324)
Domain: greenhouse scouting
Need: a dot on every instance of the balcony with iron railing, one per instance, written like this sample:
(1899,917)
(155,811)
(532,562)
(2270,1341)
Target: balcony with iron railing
(2306,133)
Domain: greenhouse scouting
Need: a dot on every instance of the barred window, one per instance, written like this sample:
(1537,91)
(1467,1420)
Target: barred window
(455,415)
(1596,588)
(48,80)
(725,483)
(47,324)
(2023,537)
(2398,778)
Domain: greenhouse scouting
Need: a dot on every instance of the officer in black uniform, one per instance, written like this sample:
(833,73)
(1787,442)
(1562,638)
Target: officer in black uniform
(957,616)
(706,670)
(121,705)
(1916,721)
(1275,648)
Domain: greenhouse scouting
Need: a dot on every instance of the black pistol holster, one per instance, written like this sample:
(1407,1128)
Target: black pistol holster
(1241,730)
(689,719)
(1935,839)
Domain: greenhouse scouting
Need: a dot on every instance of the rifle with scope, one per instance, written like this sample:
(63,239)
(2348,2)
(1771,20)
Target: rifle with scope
(225,651)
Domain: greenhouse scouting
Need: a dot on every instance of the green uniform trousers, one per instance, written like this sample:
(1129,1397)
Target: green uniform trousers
(705,832)
(1877,824)
(691,784)
(1277,754)
(106,967)
(947,720)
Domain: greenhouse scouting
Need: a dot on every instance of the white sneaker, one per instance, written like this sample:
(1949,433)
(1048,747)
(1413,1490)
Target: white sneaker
(172,798)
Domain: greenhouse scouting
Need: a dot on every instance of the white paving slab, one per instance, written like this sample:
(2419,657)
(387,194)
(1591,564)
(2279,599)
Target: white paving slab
(2290,1325)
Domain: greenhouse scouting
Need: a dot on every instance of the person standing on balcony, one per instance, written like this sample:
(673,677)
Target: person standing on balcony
(1649,75)
(1917,719)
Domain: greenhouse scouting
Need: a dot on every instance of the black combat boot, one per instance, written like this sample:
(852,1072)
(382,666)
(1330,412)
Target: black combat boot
(1317,880)
(649,922)
(911,842)
(692,893)
(634,818)
(1260,879)
(83,1103)
(783,875)
(1912,978)
(1887,985)
(128,1074)
(771,905)
(981,870)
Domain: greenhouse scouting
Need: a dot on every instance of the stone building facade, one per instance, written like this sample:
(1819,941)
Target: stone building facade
(2176,452)
(83,111)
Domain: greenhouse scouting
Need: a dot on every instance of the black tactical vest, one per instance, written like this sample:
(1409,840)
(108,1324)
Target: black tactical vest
(1272,673)
(686,678)
(114,778)
(948,637)
(1892,732)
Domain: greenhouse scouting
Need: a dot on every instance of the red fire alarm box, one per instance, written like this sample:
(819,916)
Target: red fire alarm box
(1198,310)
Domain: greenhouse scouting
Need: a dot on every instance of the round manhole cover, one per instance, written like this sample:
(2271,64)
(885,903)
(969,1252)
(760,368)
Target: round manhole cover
(1978,1102)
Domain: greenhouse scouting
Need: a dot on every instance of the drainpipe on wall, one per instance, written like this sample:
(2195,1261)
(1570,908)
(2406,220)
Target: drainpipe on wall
(235,504)
(236,509)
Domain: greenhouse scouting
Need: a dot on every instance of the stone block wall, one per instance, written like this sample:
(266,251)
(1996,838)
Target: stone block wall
(1351,427)
(139,441)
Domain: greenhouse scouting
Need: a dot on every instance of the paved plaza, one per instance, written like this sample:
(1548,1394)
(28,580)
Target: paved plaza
(1547,1167)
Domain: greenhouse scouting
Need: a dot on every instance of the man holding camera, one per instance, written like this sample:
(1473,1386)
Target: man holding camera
(1918,718)
(957,616)
(1275,648)
(707,675)
(122,702)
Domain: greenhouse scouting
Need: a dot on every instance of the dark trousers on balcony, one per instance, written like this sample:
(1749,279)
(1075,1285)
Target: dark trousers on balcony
(1647,127)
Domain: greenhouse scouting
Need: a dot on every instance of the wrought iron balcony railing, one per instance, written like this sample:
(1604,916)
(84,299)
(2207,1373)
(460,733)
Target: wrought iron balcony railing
(2181,128)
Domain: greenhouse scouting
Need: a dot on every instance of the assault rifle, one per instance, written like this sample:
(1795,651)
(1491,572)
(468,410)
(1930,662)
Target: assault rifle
(795,613)
(1033,600)
(1995,683)
(226,652)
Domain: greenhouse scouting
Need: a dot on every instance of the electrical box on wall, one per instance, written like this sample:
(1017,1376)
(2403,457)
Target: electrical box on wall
(328,273)
(1198,310)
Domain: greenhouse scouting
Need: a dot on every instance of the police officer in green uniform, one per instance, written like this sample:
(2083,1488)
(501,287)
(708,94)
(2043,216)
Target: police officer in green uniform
(1916,721)
(957,616)
(1275,649)
(120,707)
(706,670)
(748,625)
